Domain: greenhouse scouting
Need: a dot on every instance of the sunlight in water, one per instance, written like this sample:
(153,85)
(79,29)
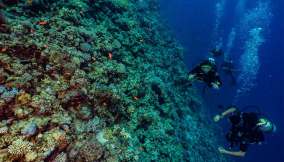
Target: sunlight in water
(219,12)
(230,43)
(253,27)
(250,61)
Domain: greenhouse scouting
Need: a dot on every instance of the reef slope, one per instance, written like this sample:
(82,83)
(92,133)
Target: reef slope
(96,80)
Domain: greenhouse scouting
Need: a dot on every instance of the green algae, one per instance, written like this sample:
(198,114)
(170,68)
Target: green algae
(106,84)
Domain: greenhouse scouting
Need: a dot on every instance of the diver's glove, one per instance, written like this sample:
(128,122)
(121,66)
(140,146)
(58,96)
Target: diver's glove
(191,77)
(218,117)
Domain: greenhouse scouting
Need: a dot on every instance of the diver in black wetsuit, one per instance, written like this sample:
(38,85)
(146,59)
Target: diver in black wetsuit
(228,68)
(206,72)
(216,52)
(247,128)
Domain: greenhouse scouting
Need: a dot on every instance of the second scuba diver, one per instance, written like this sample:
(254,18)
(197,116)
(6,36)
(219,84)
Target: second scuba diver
(206,72)
(247,128)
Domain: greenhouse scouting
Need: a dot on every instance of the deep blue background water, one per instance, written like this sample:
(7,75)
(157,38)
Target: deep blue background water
(192,22)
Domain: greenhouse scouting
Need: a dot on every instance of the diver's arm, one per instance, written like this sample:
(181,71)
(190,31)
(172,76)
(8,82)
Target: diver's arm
(225,113)
(228,111)
(195,70)
(232,153)
(193,74)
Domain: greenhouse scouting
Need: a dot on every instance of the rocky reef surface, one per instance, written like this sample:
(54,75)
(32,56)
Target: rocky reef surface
(94,81)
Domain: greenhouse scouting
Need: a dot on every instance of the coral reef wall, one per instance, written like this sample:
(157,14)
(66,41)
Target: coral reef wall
(95,80)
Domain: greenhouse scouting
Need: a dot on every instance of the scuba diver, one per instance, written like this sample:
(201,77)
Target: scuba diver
(247,128)
(228,68)
(206,72)
(216,52)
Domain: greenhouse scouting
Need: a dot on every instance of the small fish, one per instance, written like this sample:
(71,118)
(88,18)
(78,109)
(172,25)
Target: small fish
(3,49)
(110,55)
(32,30)
(42,23)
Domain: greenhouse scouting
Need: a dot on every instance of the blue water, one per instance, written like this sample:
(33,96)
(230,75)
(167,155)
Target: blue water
(261,38)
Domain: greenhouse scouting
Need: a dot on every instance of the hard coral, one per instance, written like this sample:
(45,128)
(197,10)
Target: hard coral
(83,71)
(110,107)
(19,148)
(120,3)
(40,5)
(91,151)
(23,98)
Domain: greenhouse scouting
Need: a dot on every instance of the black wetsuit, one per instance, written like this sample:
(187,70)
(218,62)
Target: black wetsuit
(228,69)
(217,52)
(211,77)
(244,130)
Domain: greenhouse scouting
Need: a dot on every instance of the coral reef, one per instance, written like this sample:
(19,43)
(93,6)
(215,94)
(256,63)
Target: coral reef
(95,80)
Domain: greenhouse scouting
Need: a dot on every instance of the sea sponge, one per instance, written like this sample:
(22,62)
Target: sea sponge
(19,147)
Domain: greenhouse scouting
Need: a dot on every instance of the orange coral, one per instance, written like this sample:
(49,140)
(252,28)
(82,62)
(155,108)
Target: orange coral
(42,23)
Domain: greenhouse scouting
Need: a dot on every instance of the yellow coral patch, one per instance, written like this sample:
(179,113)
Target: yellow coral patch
(23,98)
